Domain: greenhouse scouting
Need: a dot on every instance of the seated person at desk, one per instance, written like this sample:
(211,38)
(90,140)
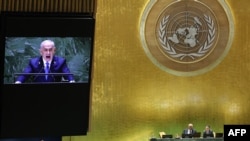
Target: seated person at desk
(189,132)
(46,63)
(162,133)
(208,132)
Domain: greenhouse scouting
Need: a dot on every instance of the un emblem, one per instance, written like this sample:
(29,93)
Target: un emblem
(186,37)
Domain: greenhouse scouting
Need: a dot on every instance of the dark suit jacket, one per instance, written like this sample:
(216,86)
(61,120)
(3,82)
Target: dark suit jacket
(186,135)
(210,133)
(36,65)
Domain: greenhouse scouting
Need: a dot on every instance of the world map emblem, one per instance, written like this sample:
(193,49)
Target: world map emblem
(187,37)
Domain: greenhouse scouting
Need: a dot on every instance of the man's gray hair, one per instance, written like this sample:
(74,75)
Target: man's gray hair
(47,42)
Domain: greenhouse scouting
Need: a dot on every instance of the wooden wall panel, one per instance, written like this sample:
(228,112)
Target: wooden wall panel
(74,6)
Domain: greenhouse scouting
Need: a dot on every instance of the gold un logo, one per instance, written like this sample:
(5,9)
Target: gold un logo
(186,37)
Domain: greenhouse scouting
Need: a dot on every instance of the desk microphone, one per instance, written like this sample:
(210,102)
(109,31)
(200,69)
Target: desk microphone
(40,71)
(52,75)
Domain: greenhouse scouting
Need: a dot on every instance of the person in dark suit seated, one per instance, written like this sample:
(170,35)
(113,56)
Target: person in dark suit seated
(46,63)
(189,131)
(208,132)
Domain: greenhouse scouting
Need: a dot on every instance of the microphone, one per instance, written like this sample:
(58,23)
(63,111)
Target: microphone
(52,75)
(40,71)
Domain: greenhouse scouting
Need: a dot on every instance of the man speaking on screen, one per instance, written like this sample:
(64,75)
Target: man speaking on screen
(46,68)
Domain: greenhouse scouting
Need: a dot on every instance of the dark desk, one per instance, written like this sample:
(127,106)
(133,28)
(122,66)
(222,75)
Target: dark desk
(188,139)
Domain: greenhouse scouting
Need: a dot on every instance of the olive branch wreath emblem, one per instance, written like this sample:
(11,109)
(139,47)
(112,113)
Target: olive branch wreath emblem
(171,51)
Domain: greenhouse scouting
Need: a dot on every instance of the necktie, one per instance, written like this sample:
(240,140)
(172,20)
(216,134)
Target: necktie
(46,70)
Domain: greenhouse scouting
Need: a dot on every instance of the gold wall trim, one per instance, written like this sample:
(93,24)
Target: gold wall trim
(73,6)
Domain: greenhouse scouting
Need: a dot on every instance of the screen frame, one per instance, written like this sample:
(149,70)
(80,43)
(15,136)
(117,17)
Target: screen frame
(44,110)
